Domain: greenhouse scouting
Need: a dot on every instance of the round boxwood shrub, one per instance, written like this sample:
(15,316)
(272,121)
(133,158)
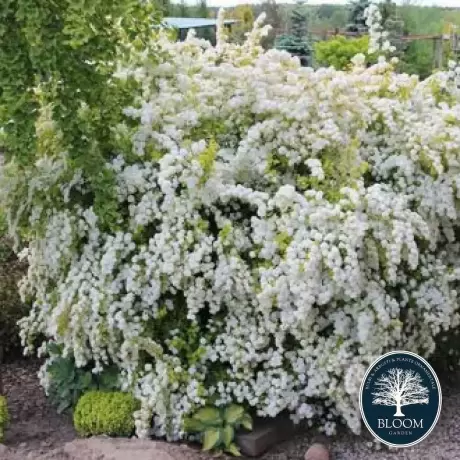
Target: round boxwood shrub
(4,417)
(109,413)
(272,230)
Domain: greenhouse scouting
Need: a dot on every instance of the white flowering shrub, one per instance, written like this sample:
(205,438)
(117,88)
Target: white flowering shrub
(277,229)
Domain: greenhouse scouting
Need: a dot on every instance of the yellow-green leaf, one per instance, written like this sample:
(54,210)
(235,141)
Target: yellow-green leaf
(193,426)
(228,434)
(233,413)
(246,422)
(211,438)
(233,449)
(210,416)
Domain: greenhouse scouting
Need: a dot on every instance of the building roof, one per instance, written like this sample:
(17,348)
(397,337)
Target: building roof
(193,23)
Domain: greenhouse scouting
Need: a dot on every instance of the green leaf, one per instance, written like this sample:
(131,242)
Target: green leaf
(193,426)
(109,379)
(63,405)
(210,416)
(84,380)
(246,422)
(228,433)
(233,413)
(233,449)
(211,438)
(54,348)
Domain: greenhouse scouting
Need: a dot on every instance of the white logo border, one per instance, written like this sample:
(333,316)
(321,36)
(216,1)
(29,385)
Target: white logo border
(361,398)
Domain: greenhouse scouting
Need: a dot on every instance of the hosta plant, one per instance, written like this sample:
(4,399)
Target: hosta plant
(65,383)
(273,230)
(217,427)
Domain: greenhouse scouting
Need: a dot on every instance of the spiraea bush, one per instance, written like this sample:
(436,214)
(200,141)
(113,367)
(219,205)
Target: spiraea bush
(275,230)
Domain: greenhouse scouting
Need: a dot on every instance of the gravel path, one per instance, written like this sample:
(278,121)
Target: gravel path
(442,444)
(37,432)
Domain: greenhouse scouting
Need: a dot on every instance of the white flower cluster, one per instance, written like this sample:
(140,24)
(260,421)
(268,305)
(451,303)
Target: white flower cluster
(378,37)
(279,229)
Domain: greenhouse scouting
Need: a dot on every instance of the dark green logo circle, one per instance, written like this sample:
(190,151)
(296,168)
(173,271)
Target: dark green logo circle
(400,399)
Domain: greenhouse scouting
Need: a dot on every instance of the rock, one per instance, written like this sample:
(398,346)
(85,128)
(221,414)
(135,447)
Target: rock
(3,451)
(317,452)
(266,433)
(119,449)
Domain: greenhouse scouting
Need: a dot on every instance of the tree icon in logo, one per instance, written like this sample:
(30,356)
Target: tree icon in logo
(400,387)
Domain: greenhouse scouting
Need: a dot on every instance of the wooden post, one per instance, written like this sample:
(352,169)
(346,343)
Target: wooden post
(437,52)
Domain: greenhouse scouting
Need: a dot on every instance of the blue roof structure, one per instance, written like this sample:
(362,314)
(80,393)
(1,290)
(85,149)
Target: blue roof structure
(193,23)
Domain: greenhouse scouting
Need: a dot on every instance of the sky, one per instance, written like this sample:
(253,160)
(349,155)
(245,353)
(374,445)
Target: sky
(316,2)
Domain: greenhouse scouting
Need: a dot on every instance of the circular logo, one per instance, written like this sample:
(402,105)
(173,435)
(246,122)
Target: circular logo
(400,399)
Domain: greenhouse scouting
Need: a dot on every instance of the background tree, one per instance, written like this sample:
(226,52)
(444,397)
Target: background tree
(202,9)
(274,18)
(165,7)
(245,17)
(357,20)
(183,9)
(297,40)
(394,25)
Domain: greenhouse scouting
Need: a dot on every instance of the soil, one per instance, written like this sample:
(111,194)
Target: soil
(35,426)
(37,432)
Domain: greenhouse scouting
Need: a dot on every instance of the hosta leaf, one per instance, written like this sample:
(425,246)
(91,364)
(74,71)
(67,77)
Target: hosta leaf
(193,426)
(109,379)
(233,413)
(211,438)
(246,422)
(228,434)
(84,380)
(210,416)
(63,405)
(233,449)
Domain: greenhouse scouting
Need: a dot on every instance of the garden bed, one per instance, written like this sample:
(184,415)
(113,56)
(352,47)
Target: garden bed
(37,432)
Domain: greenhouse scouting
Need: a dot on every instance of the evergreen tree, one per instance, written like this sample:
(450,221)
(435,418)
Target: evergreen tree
(297,41)
(357,19)
(394,25)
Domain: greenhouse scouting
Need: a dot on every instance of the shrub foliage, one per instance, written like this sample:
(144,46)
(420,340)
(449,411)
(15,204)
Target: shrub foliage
(4,417)
(275,229)
(339,51)
(11,307)
(109,413)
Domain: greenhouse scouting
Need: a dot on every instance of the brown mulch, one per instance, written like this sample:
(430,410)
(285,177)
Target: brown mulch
(35,426)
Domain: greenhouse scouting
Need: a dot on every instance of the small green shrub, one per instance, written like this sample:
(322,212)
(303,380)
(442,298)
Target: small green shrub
(4,417)
(217,427)
(108,413)
(339,51)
